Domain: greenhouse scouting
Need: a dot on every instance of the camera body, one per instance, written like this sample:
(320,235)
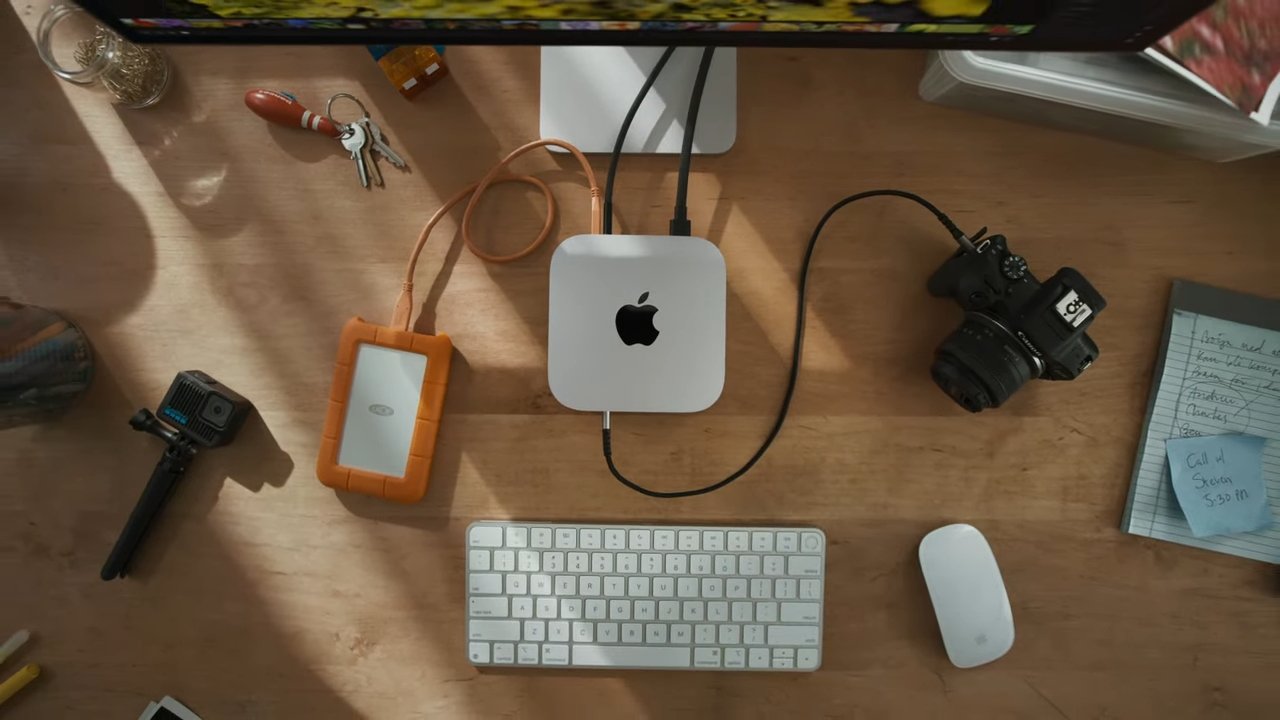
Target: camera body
(203,410)
(1015,328)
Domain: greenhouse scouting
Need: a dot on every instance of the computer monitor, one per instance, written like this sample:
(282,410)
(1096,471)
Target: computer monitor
(595,55)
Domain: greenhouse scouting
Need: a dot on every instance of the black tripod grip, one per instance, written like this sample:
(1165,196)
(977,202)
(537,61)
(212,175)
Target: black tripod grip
(166,474)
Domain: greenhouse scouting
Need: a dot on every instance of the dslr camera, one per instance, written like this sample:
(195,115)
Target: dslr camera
(1015,329)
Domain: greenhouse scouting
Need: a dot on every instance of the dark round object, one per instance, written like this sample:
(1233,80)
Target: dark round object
(981,364)
(1014,267)
(216,410)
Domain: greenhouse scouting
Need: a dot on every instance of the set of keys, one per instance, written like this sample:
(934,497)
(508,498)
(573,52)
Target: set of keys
(362,139)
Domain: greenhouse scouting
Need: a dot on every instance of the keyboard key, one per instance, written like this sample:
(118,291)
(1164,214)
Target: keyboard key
(478,560)
(788,542)
(632,633)
(589,585)
(602,562)
(735,588)
(527,654)
(730,634)
(614,587)
(677,564)
(664,587)
(615,539)
(788,653)
(655,634)
(495,607)
(590,539)
(806,565)
(761,542)
(571,609)
(540,537)
(749,565)
(522,607)
(783,663)
(712,588)
(735,657)
(810,589)
(546,607)
(692,610)
(555,654)
(485,584)
(700,564)
(517,584)
(566,585)
(706,657)
(639,539)
(619,609)
(767,612)
(718,611)
(504,560)
(650,563)
(743,612)
(687,587)
(553,562)
(628,563)
(566,538)
(664,539)
(800,612)
(810,542)
(739,540)
(478,652)
(527,561)
(753,635)
(493,630)
(540,584)
(644,609)
(681,634)
(504,653)
(596,609)
(784,589)
(793,635)
(759,658)
(583,632)
(807,659)
(638,586)
(704,634)
(688,540)
(607,632)
(713,540)
(761,589)
(726,564)
(614,656)
(578,562)
(558,631)
(776,564)
(517,537)
(669,610)
(486,536)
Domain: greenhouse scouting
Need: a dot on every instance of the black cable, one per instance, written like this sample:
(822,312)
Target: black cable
(680,220)
(797,346)
(607,205)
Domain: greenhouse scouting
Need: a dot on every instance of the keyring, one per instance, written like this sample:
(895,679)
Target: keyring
(328,108)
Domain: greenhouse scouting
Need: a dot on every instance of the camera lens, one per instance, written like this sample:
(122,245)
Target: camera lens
(216,410)
(981,364)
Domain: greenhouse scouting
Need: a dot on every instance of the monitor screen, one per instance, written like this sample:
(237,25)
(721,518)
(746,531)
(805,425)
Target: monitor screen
(1064,24)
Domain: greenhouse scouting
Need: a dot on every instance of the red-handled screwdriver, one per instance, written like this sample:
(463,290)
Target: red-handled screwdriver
(284,109)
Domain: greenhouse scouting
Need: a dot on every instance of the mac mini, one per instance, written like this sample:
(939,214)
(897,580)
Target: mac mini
(637,323)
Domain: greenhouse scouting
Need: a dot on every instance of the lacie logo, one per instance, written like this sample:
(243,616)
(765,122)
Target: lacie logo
(382,410)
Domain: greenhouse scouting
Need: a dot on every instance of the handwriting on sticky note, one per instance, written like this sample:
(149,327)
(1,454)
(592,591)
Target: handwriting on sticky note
(1218,482)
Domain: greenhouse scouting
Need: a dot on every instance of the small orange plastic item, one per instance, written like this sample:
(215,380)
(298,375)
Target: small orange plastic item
(413,486)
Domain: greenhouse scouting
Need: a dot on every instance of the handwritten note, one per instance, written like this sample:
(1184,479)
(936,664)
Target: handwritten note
(1218,482)
(1217,378)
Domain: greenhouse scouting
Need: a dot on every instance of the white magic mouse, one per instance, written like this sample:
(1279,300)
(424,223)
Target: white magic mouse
(968,595)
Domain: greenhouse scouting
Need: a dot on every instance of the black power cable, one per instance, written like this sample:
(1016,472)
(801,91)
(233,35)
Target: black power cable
(607,205)
(680,220)
(797,346)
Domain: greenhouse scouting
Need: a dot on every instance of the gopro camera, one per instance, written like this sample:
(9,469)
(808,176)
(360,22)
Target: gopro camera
(197,411)
(1015,329)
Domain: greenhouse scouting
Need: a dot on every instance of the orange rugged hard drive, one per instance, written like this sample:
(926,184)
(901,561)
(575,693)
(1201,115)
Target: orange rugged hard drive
(384,411)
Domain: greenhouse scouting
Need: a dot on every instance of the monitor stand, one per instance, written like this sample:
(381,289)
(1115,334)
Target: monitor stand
(586,91)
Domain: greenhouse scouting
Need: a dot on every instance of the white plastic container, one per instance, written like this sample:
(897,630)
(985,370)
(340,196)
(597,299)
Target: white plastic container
(1124,97)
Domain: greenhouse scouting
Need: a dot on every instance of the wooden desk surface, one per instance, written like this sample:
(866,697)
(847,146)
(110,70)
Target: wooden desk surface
(193,235)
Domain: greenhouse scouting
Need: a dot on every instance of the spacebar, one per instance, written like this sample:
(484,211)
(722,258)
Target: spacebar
(633,657)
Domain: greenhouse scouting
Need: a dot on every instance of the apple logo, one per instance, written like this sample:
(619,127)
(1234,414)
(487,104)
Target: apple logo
(635,323)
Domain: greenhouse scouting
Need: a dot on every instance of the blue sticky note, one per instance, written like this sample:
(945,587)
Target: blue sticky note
(1218,482)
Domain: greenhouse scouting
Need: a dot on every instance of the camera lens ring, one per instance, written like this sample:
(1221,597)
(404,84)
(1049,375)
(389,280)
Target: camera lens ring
(982,363)
(216,410)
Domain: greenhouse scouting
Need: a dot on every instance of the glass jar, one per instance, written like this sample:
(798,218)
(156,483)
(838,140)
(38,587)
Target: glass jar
(79,50)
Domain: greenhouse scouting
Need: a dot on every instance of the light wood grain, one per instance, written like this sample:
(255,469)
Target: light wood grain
(192,235)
